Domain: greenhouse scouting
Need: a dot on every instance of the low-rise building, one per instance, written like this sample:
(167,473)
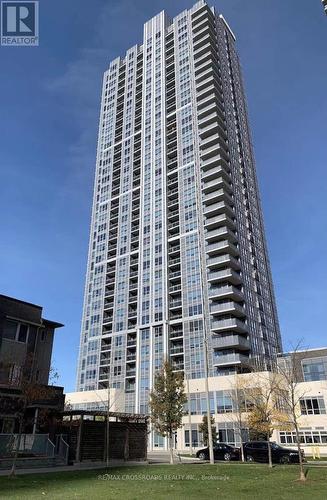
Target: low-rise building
(96,400)
(311,390)
(26,341)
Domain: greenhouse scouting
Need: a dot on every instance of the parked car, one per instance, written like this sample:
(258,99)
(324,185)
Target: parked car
(221,451)
(257,451)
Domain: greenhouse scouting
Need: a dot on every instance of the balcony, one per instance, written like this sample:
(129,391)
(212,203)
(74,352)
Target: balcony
(175,315)
(210,89)
(231,359)
(228,291)
(173,227)
(202,50)
(131,342)
(130,373)
(218,221)
(108,305)
(174,334)
(172,192)
(218,234)
(175,289)
(227,307)
(174,262)
(203,73)
(131,357)
(214,172)
(223,260)
(217,195)
(218,208)
(209,109)
(173,215)
(232,324)
(210,151)
(175,304)
(177,350)
(174,249)
(222,246)
(225,275)
(132,299)
(178,366)
(230,341)
(215,184)
(175,275)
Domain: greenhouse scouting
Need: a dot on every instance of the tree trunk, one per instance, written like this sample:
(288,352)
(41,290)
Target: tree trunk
(20,430)
(302,473)
(269,453)
(242,453)
(171,449)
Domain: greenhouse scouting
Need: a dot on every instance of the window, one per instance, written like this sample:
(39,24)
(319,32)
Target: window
(306,437)
(196,437)
(15,375)
(313,406)
(10,330)
(158,441)
(22,334)
(314,369)
(15,331)
(224,402)
(226,435)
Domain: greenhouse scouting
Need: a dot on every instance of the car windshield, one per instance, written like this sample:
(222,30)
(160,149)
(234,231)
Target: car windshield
(275,446)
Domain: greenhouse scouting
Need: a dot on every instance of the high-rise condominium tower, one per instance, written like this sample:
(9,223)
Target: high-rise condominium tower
(177,246)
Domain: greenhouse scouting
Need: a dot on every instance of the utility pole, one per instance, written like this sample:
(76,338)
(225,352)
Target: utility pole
(210,441)
(189,413)
(108,414)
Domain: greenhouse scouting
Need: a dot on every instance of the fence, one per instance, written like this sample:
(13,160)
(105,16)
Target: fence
(28,445)
(62,448)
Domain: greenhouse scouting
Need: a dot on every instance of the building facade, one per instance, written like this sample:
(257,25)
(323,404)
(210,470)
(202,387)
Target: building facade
(177,248)
(26,341)
(226,393)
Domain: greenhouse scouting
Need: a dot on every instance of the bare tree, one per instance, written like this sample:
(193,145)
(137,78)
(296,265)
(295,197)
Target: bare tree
(239,408)
(290,394)
(266,413)
(31,393)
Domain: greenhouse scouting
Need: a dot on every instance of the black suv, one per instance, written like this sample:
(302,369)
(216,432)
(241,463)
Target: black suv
(257,451)
(221,451)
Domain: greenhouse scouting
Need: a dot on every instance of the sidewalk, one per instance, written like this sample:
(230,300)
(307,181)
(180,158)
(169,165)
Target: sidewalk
(74,468)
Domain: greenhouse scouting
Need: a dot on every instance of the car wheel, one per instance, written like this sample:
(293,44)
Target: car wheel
(202,456)
(227,457)
(249,458)
(285,459)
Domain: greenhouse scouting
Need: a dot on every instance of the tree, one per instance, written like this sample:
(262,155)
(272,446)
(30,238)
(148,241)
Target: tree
(167,400)
(203,427)
(265,412)
(289,395)
(240,405)
(30,393)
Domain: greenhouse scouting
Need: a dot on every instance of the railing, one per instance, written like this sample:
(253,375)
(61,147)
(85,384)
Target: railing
(62,449)
(176,333)
(26,444)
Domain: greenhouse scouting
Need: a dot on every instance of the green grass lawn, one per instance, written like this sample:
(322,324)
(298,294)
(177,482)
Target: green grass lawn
(223,481)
